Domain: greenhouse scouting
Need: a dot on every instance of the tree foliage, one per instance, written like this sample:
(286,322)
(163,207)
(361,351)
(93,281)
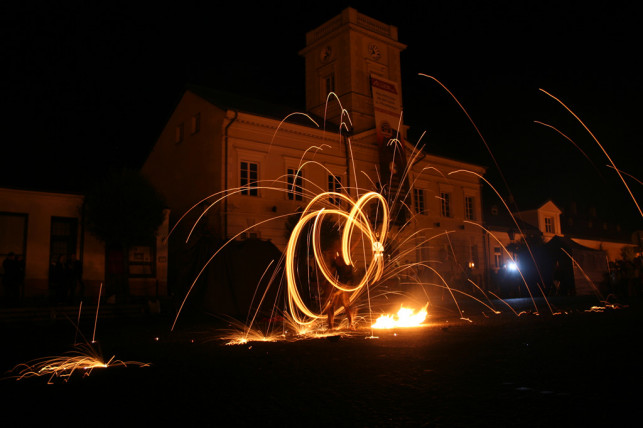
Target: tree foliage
(123,208)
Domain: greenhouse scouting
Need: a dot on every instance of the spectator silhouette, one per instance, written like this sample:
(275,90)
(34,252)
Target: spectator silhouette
(60,283)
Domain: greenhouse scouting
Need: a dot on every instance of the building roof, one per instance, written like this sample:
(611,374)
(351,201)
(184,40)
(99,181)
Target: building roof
(496,217)
(575,221)
(590,226)
(230,101)
(569,245)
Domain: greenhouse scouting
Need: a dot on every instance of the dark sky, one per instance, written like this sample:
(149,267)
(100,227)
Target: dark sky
(87,88)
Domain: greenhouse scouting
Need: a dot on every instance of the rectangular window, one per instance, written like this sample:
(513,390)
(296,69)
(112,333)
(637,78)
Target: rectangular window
(418,196)
(178,133)
(549,225)
(445,204)
(249,174)
(497,257)
(64,233)
(328,84)
(334,185)
(196,123)
(469,212)
(295,188)
(13,234)
(141,261)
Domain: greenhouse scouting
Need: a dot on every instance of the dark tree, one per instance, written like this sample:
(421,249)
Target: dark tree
(122,210)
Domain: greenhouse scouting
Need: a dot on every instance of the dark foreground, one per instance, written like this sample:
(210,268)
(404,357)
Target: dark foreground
(579,368)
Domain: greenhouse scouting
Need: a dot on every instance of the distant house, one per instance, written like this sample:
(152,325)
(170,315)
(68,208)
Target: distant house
(43,227)
(559,249)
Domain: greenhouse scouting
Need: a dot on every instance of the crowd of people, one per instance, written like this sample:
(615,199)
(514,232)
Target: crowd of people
(65,280)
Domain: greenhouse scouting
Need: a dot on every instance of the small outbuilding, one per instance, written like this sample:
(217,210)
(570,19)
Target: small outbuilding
(578,270)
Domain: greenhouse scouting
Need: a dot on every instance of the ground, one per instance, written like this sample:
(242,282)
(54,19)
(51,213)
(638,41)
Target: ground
(575,368)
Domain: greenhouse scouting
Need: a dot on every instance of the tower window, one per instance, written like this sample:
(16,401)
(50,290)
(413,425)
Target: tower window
(328,84)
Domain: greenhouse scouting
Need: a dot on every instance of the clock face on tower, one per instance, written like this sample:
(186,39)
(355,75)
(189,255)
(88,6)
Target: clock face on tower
(374,51)
(325,53)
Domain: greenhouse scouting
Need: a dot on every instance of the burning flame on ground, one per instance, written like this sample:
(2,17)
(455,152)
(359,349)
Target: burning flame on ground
(405,317)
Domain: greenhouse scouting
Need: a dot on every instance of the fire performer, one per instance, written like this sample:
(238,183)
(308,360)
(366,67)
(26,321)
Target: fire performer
(335,297)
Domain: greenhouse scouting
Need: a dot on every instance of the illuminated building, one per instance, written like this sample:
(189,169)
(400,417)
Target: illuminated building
(215,141)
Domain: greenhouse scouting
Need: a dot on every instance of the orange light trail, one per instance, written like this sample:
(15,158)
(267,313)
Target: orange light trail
(356,218)
(84,360)
(601,147)
(571,141)
(476,128)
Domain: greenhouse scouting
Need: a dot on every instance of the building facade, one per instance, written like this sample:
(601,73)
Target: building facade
(251,167)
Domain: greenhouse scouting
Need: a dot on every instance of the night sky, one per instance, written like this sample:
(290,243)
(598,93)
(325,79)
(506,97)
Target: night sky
(88,88)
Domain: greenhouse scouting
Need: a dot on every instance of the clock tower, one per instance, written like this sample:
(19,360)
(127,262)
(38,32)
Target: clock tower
(343,56)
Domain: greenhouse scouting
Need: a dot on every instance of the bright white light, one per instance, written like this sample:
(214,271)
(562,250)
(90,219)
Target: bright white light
(512,266)
(378,249)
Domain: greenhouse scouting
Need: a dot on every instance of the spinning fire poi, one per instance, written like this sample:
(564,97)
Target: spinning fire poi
(356,228)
